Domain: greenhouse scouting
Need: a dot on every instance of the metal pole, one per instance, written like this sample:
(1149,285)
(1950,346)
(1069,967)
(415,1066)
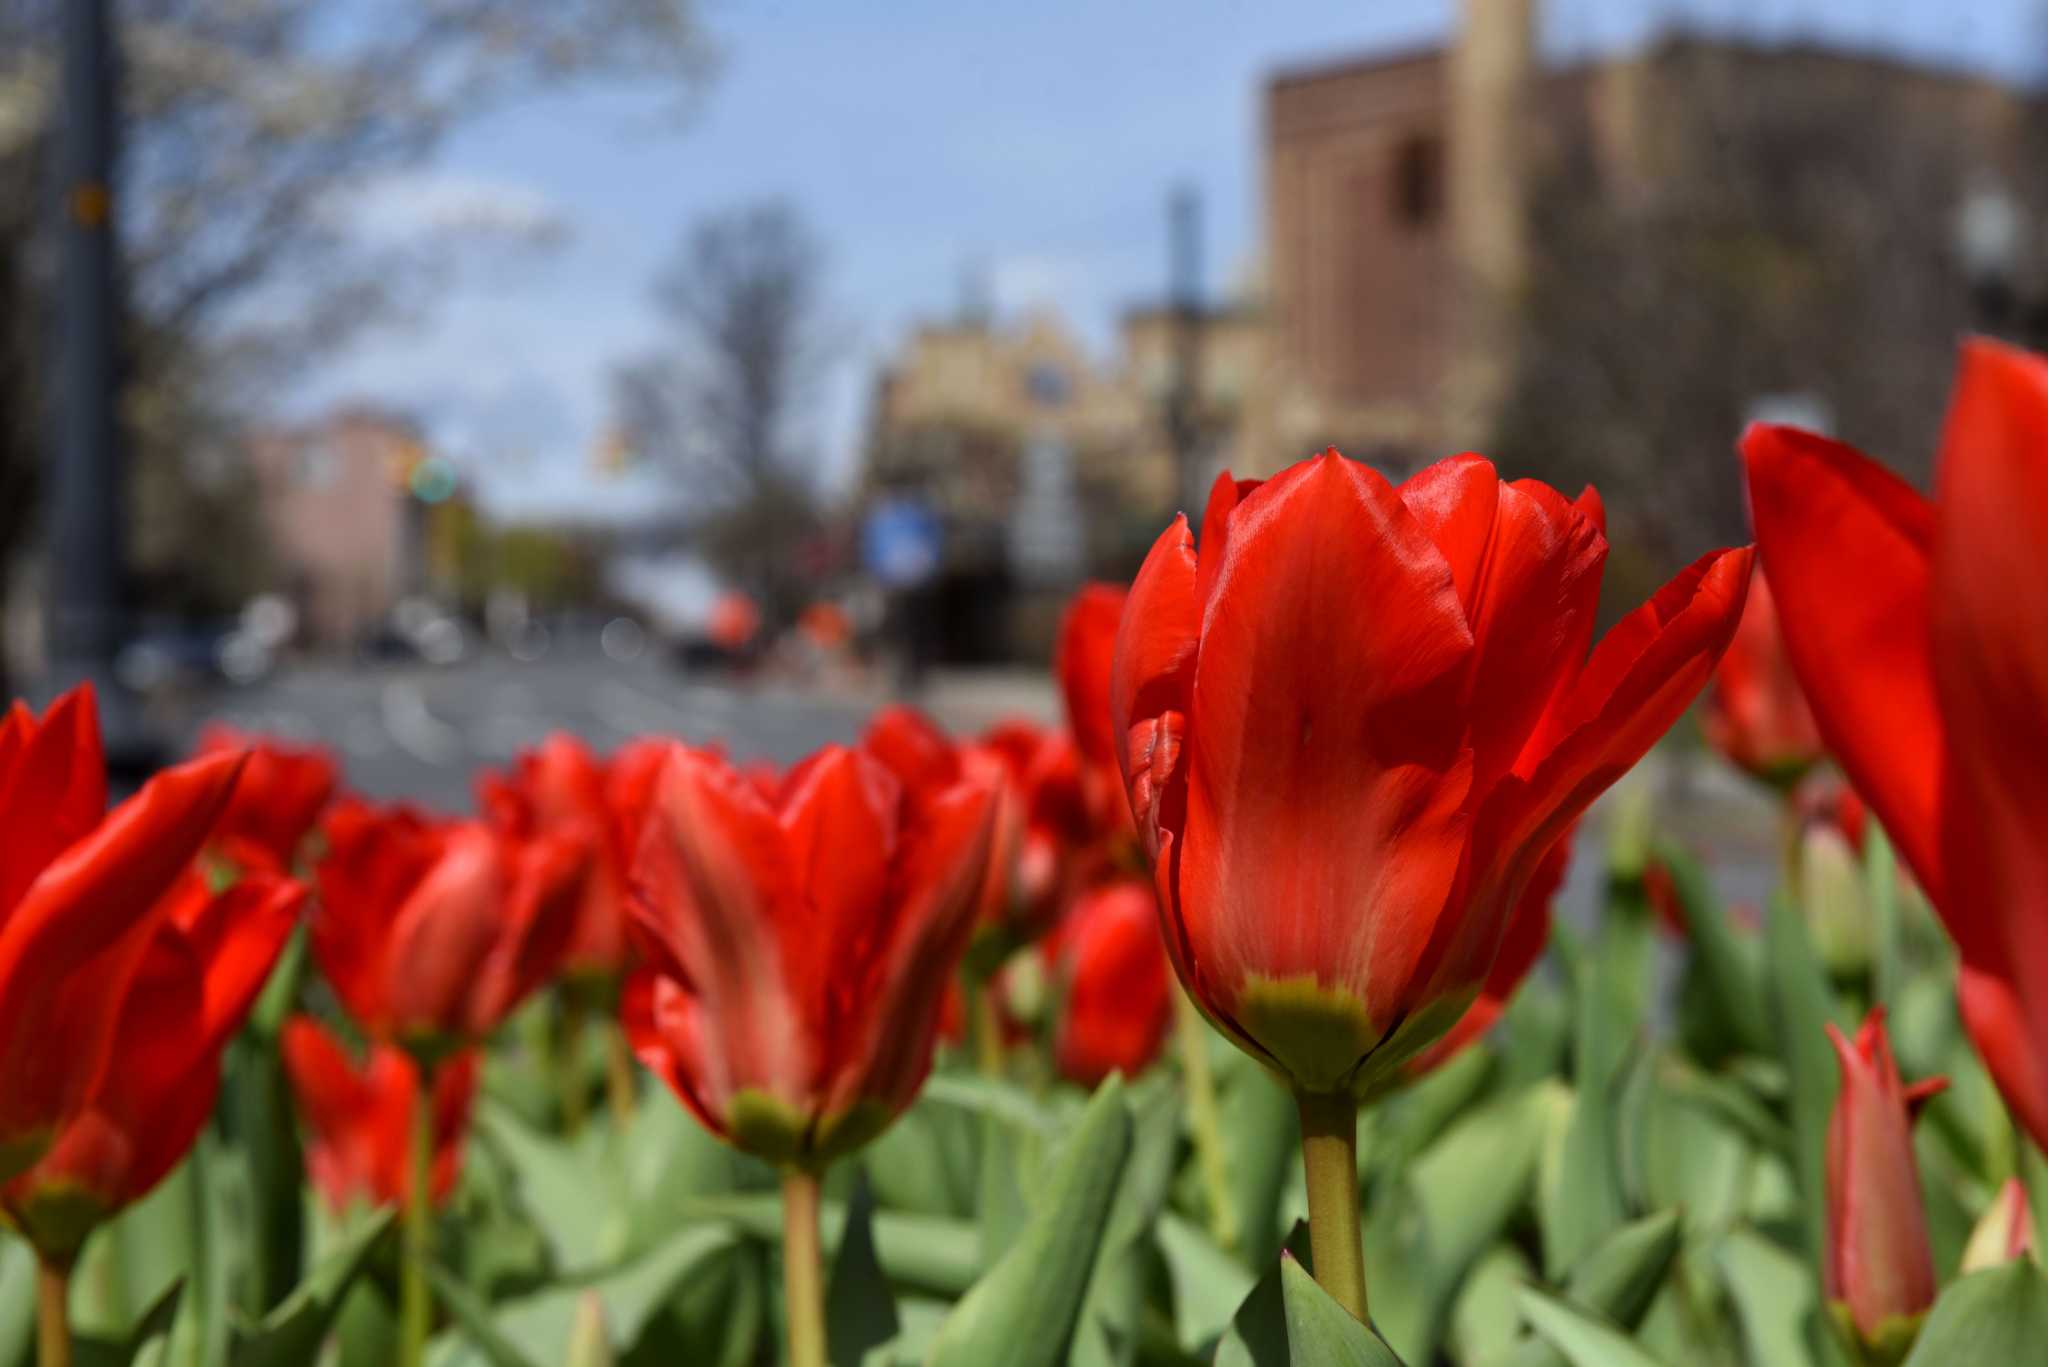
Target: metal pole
(85,480)
(1183,420)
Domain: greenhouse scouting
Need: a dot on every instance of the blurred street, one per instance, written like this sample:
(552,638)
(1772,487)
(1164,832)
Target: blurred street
(420,732)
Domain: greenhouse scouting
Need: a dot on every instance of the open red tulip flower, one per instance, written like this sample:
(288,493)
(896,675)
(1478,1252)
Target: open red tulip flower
(1755,714)
(560,787)
(1356,722)
(1116,988)
(1061,848)
(205,963)
(1352,725)
(929,765)
(801,943)
(432,931)
(1919,630)
(1528,933)
(83,892)
(1083,657)
(282,792)
(359,1117)
(1879,1272)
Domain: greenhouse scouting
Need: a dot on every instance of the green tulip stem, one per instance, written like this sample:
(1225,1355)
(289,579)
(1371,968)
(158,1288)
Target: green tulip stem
(415,1305)
(569,1062)
(803,1275)
(1329,1154)
(53,1320)
(1792,846)
(986,1023)
(1205,1121)
(618,1076)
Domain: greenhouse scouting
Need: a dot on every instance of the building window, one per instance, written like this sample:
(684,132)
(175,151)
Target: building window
(1418,181)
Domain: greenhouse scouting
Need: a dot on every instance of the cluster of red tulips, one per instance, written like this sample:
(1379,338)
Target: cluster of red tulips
(1324,767)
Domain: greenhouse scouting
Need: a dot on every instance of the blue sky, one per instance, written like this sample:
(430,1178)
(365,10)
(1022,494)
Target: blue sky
(920,137)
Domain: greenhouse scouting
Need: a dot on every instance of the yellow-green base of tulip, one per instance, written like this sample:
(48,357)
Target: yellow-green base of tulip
(1887,1347)
(772,1129)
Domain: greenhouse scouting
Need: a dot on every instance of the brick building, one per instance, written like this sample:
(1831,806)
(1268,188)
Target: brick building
(339,517)
(1397,205)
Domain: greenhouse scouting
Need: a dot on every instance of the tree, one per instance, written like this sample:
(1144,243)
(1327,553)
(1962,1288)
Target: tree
(725,407)
(1784,225)
(246,127)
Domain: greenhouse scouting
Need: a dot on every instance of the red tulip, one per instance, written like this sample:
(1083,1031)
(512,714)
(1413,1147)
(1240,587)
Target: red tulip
(281,794)
(1755,714)
(1117,988)
(1527,934)
(1356,723)
(800,945)
(560,788)
(360,1119)
(1920,633)
(203,968)
(82,894)
(1083,658)
(1879,1277)
(431,932)
(928,765)
(1061,849)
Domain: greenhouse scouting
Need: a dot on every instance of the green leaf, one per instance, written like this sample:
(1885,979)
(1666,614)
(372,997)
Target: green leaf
(154,1327)
(1320,1332)
(1585,1339)
(1774,1297)
(987,1096)
(1023,1313)
(1112,1308)
(1801,1010)
(931,1252)
(1257,1336)
(1581,1197)
(860,1309)
(1618,1280)
(631,1296)
(1999,1315)
(1208,1284)
(1621,1275)
(473,1317)
(1717,952)
(1261,1142)
(567,1187)
(291,1332)
(1881,881)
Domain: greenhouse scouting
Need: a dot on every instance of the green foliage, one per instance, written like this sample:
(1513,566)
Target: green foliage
(1626,1173)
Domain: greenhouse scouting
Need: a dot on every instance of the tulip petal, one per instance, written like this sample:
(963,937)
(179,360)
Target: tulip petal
(1151,682)
(1527,565)
(94,905)
(1351,798)
(1083,657)
(444,934)
(714,883)
(53,789)
(1990,659)
(1848,546)
(884,1022)
(1639,681)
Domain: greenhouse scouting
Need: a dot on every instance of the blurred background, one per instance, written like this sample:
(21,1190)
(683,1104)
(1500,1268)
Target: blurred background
(421,376)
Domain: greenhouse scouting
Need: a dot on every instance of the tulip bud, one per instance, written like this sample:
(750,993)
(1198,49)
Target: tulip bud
(1836,901)
(2004,1232)
(1879,1275)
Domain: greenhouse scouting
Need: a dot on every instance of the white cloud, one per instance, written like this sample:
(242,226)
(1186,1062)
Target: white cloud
(433,204)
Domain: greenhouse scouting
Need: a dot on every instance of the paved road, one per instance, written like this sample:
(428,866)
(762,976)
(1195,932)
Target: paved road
(421,733)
